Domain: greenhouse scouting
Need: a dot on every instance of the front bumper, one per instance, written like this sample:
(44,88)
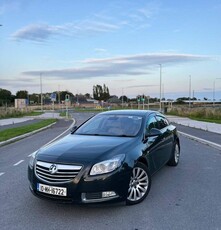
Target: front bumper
(87,189)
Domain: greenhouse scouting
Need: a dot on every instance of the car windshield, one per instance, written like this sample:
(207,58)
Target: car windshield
(112,125)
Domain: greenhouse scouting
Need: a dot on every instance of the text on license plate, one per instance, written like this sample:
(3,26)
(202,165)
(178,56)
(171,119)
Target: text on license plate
(58,191)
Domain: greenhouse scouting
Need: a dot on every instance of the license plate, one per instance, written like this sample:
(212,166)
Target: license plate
(57,191)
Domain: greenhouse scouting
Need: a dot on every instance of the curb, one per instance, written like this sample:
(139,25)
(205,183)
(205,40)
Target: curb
(14,139)
(203,141)
(25,135)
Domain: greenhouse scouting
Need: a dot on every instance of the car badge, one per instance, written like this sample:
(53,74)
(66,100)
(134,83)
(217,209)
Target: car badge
(53,169)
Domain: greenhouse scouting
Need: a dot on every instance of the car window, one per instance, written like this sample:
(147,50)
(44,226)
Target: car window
(151,123)
(161,122)
(111,125)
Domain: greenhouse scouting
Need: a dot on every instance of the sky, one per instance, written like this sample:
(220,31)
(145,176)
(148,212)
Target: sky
(129,45)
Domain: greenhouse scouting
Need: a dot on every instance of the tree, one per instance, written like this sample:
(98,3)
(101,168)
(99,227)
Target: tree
(101,93)
(106,94)
(5,96)
(34,98)
(63,93)
(23,94)
(87,95)
(125,98)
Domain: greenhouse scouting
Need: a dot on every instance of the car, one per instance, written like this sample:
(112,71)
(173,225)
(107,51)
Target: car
(110,157)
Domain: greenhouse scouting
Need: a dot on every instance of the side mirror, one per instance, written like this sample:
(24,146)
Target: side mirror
(153,132)
(72,129)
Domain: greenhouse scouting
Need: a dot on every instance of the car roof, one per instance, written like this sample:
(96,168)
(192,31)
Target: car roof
(131,112)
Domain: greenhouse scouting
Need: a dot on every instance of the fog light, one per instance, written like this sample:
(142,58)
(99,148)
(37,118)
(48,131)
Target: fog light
(108,194)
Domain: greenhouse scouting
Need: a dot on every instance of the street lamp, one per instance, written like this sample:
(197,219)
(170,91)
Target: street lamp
(41,92)
(189,89)
(122,99)
(214,89)
(160,85)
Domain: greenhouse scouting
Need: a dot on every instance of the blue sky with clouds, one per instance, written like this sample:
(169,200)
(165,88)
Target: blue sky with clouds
(120,43)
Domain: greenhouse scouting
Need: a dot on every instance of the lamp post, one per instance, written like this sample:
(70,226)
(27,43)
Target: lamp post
(41,92)
(160,85)
(214,89)
(189,90)
(122,99)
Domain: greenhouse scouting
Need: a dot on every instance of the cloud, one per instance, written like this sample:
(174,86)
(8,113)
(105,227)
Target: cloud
(207,89)
(149,59)
(100,50)
(39,33)
(42,32)
(19,82)
(132,65)
(140,86)
(93,25)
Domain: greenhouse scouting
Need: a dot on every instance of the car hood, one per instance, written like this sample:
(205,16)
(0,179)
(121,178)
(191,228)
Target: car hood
(82,149)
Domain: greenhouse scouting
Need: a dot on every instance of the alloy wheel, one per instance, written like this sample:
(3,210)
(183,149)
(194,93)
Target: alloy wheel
(138,186)
(176,153)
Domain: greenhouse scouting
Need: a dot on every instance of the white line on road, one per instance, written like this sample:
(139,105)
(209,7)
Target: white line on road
(57,136)
(74,121)
(210,143)
(2,173)
(19,162)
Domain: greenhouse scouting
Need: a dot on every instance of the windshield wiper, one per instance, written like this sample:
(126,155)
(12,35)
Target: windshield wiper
(124,135)
(92,134)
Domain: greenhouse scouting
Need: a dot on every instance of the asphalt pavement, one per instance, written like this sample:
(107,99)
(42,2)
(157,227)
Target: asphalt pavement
(207,133)
(182,197)
(206,126)
(210,136)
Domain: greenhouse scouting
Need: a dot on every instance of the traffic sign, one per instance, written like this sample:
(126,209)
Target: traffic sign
(53,96)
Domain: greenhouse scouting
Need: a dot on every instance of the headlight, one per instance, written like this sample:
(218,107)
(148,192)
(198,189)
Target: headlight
(32,159)
(107,166)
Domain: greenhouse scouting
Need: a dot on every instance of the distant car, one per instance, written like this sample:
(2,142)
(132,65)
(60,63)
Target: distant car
(112,156)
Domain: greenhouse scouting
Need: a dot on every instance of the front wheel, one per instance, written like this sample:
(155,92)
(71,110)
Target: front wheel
(174,160)
(139,185)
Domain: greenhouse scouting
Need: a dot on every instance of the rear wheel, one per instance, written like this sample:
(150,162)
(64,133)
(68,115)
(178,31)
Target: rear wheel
(174,160)
(139,185)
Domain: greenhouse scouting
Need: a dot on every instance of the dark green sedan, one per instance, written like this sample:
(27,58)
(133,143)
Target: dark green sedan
(110,157)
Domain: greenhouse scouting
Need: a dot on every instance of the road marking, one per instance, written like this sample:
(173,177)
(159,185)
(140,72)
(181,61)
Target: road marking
(210,143)
(74,121)
(57,136)
(2,173)
(19,162)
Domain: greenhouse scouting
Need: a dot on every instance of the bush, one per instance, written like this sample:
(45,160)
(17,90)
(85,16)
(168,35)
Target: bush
(200,113)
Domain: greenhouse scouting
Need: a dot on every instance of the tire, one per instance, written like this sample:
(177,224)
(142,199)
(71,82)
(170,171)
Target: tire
(175,157)
(139,185)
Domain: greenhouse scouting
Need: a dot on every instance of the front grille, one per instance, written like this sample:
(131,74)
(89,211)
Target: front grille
(62,173)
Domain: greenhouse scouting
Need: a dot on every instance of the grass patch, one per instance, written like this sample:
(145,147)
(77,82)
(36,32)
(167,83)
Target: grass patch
(34,113)
(200,114)
(17,113)
(206,120)
(63,114)
(89,110)
(14,132)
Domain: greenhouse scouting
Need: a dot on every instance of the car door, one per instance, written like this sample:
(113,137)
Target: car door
(153,145)
(166,141)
